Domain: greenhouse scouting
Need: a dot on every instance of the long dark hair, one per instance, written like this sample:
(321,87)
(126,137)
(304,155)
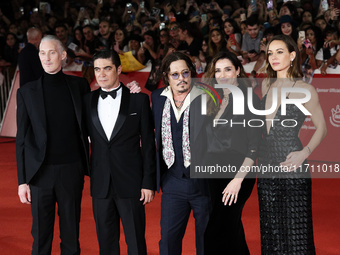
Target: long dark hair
(79,43)
(232,22)
(293,24)
(124,42)
(294,71)
(174,56)
(209,77)
(213,49)
(318,37)
(225,55)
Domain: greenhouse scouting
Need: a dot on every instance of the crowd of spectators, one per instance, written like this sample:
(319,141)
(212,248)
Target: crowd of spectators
(151,30)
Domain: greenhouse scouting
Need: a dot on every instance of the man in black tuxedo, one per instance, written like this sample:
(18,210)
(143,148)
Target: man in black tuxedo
(172,108)
(28,60)
(123,168)
(52,150)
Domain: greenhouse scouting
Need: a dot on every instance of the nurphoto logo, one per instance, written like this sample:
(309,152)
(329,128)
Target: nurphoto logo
(238,103)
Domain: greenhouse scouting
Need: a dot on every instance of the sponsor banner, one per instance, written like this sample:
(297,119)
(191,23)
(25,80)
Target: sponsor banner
(328,90)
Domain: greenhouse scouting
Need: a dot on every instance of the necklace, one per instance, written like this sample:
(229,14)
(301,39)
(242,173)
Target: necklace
(226,93)
(180,102)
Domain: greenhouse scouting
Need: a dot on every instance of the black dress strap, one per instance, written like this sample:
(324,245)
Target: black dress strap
(267,90)
(271,85)
(292,87)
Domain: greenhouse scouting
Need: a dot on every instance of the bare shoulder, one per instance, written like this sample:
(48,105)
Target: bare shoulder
(314,98)
(305,85)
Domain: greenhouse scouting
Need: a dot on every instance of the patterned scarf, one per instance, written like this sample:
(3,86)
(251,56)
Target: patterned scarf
(168,148)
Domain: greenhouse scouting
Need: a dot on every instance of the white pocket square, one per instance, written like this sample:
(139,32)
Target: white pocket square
(134,113)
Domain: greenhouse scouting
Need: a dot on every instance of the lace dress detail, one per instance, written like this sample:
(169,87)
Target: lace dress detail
(284,198)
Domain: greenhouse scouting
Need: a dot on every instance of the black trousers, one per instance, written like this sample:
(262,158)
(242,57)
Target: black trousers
(62,185)
(181,196)
(107,214)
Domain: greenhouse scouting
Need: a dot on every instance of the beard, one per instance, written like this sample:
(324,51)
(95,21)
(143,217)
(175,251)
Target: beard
(185,87)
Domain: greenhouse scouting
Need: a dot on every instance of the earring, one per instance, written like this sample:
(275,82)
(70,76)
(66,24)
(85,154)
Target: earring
(291,62)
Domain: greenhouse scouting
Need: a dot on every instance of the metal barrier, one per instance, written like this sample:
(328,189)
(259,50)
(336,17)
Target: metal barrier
(6,83)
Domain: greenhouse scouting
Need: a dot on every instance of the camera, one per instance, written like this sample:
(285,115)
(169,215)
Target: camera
(232,38)
(129,7)
(270,5)
(302,35)
(142,6)
(161,26)
(307,44)
(45,6)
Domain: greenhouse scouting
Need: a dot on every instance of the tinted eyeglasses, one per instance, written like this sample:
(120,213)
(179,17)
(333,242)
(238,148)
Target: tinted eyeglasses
(185,74)
(174,28)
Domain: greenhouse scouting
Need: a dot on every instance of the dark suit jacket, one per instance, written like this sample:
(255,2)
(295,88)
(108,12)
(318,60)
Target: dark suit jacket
(29,64)
(196,123)
(128,158)
(31,136)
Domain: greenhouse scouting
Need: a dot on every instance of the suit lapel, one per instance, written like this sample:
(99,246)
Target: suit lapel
(123,111)
(39,104)
(76,99)
(196,118)
(158,109)
(94,114)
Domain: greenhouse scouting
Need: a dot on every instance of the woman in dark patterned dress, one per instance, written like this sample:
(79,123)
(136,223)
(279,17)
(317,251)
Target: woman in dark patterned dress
(285,195)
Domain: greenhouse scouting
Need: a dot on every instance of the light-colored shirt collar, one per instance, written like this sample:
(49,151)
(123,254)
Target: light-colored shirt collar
(194,92)
(117,88)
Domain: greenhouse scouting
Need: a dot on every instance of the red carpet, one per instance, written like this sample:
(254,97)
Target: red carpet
(15,218)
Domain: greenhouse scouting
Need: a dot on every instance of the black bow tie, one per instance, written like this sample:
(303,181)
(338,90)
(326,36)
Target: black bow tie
(112,93)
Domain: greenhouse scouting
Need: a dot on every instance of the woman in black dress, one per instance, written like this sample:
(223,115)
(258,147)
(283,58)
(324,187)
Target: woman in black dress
(229,145)
(285,194)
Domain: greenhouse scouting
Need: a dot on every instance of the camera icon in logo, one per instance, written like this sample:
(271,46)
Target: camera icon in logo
(335,117)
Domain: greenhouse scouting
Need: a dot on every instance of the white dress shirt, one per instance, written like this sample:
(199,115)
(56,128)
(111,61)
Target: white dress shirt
(108,110)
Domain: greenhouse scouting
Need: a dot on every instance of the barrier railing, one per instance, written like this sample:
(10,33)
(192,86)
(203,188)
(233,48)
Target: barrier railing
(5,87)
(328,89)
